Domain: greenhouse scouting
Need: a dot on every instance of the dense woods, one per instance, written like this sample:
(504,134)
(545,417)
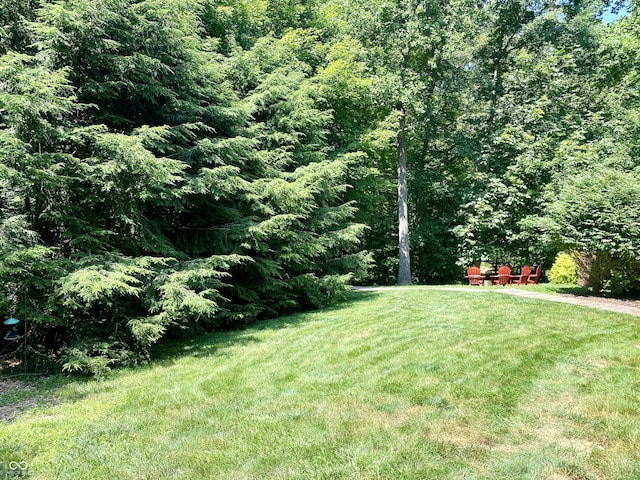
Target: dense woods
(170,167)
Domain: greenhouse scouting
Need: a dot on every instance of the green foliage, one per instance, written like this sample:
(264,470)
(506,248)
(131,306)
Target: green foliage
(564,270)
(538,137)
(320,292)
(86,287)
(169,167)
(27,271)
(33,103)
(96,358)
(133,302)
(597,212)
(164,170)
(191,293)
(14,34)
(600,210)
(610,274)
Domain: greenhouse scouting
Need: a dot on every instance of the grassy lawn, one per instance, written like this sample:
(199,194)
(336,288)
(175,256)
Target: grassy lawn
(413,383)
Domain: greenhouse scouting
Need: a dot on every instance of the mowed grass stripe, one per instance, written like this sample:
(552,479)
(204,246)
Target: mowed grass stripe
(405,383)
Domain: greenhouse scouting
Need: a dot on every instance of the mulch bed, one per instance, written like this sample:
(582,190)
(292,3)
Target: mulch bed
(16,396)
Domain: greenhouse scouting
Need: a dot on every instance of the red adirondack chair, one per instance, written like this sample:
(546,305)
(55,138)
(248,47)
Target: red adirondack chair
(474,276)
(523,277)
(503,277)
(534,278)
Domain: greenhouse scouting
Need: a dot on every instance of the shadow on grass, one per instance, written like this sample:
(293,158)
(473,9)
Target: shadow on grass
(574,290)
(586,292)
(18,393)
(216,343)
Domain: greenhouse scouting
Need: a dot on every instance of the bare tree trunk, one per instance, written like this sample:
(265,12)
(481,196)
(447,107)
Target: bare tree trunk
(404,268)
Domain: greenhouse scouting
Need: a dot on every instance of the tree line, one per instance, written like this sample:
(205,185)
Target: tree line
(171,167)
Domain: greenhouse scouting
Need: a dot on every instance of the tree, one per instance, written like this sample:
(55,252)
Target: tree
(164,180)
(536,98)
(407,53)
(592,206)
(597,213)
(301,235)
(14,16)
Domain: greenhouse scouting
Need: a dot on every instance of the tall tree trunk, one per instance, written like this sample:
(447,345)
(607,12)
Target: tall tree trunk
(404,268)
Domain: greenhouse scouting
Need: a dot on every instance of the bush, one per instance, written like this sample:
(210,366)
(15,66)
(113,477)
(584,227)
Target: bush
(564,270)
(608,274)
(597,212)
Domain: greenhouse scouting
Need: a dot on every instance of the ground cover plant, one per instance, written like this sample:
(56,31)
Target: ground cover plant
(405,383)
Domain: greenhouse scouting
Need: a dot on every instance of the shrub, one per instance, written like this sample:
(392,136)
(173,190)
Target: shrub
(598,212)
(564,270)
(610,274)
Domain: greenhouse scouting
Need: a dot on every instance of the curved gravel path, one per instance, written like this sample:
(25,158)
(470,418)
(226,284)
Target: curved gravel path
(631,307)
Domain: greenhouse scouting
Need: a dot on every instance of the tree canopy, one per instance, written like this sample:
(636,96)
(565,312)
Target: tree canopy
(170,167)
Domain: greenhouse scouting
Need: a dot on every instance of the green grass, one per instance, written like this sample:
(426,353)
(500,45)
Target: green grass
(413,383)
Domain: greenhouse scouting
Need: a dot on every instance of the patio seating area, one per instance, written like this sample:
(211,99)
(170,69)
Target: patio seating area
(504,276)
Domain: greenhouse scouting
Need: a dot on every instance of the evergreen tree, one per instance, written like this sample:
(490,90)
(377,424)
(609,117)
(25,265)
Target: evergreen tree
(162,185)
